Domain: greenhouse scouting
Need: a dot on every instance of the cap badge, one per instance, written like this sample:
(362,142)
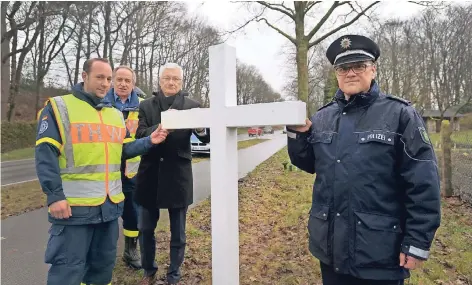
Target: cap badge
(345,43)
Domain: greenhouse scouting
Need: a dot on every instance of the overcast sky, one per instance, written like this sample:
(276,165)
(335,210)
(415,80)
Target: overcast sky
(263,47)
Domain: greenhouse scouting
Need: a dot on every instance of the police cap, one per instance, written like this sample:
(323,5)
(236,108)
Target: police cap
(352,48)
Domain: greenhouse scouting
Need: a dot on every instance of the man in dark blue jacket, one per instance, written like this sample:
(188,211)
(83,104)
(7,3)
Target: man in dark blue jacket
(376,196)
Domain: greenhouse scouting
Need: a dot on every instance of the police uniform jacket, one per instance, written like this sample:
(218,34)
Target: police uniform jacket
(47,165)
(376,191)
(164,178)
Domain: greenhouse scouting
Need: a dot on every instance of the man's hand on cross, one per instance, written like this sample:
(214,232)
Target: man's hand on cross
(303,128)
(159,135)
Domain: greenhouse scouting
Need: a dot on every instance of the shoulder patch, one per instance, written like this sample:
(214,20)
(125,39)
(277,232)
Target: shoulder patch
(404,101)
(329,104)
(43,127)
(424,135)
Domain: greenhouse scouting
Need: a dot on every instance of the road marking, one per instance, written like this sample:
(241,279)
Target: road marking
(24,181)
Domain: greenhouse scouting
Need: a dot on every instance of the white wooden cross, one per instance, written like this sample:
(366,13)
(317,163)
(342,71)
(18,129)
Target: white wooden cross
(223,117)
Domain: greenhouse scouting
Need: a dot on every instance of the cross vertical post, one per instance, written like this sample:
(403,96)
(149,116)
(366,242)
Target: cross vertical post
(224,168)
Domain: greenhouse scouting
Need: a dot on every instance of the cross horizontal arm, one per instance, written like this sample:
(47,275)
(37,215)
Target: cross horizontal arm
(264,114)
(186,119)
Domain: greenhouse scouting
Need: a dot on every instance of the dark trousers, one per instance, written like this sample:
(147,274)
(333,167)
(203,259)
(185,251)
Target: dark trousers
(130,215)
(330,277)
(147,225)
(82,253)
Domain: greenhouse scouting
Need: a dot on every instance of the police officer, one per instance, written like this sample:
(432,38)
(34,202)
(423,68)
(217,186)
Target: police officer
(376,197)
(123,96)
(80,143)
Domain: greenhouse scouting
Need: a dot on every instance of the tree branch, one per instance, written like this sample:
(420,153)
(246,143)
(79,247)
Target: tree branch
(286,11)
(311,5)
(343,25)
(322,21)
(290,38)
(255,18)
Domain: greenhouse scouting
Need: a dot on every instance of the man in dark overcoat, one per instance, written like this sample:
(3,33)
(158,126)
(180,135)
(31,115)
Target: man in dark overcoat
(164,179)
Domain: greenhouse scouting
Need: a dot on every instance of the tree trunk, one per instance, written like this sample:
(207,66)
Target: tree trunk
(446,167)
(41,63)
(107,29)
(302,68)
(77,55)
(5,49)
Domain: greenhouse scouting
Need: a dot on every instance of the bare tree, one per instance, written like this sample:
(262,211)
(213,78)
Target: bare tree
(49,48)
(305,40)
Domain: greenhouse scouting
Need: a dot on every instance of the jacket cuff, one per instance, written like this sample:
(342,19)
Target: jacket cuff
(297,135)
(147,142)
(54,197)
(416,252)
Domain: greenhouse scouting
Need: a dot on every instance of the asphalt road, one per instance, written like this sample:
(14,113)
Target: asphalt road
(19,171)
(24,237)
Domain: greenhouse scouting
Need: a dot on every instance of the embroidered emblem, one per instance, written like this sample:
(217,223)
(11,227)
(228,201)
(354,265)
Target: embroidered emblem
(345,43)
(44,118)
(43,127)
(424,135)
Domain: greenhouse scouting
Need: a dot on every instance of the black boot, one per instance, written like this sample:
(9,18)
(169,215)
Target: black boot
(131,254)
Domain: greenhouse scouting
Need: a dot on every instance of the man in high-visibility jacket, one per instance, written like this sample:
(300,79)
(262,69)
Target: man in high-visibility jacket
(123,96)
(79,147)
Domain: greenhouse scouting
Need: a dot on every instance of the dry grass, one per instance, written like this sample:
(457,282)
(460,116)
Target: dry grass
(21,198)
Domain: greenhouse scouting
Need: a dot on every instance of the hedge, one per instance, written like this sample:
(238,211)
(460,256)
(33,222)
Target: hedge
(17,135)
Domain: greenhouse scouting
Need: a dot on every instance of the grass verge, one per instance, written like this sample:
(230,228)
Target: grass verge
(23,153)
(25,197)
(273,213)
(21,198)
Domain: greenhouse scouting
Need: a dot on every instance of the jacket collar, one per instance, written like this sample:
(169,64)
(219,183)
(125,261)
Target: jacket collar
(133,100)
(360,99)
(94,101)
(178,101)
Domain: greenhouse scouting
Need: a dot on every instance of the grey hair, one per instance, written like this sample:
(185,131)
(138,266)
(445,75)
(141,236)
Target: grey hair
(171,65)
(127,68)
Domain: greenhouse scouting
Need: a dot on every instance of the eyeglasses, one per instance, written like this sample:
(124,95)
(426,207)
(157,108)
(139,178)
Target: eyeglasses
(356,68)
(175,79)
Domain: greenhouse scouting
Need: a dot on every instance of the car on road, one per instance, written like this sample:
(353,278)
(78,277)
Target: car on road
(254,131)
(268,130)
(198,147)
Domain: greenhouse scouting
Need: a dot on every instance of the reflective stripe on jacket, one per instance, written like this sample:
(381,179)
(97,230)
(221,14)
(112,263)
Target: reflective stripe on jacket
(132,164)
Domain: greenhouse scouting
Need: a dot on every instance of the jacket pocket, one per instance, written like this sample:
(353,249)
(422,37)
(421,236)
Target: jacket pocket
(377,242)
(318,230)
(56,250)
